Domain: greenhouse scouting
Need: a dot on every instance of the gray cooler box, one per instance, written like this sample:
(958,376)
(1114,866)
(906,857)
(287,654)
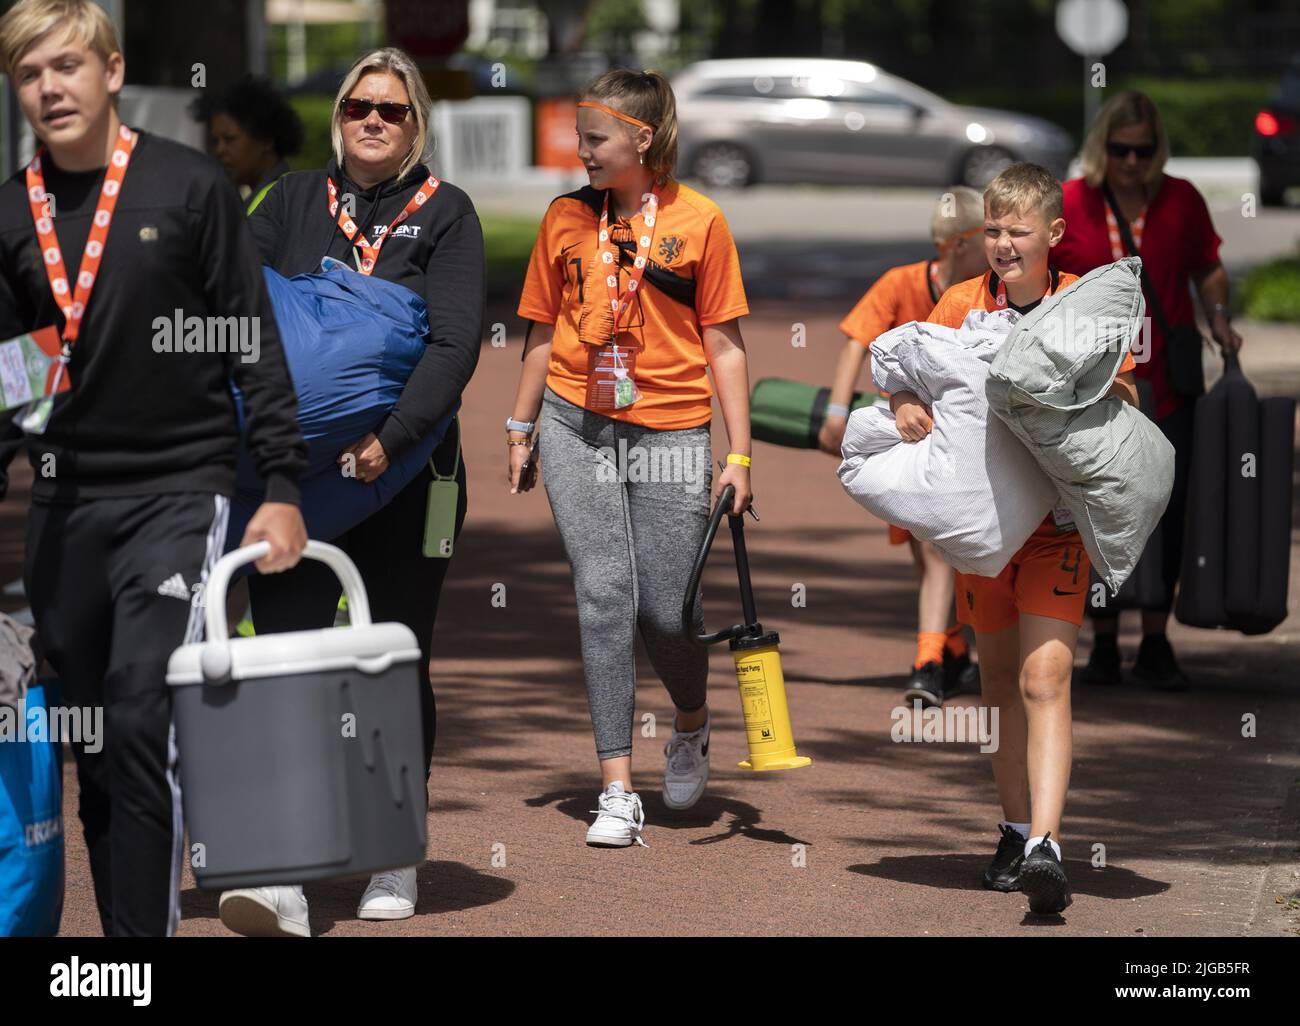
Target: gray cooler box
(300,753)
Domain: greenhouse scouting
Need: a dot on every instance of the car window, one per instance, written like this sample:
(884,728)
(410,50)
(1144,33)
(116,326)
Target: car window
(858,92)
(1288,90)
(760,87)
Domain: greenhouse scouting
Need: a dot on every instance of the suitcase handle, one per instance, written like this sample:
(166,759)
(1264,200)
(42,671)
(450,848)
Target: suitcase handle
(335,558)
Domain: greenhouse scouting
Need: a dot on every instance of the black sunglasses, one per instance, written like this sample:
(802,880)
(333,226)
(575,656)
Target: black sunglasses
(1121,150)
(359,110)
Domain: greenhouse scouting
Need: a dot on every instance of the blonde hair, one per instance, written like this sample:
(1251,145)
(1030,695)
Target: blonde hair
(959,209)
(1023,187)
(646,96)
(1122,111)
(28,21)
(399,63)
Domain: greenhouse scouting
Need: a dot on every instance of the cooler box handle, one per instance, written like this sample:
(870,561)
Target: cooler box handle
(335,558)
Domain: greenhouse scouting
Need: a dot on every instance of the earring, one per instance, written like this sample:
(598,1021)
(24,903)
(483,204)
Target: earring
(640,158)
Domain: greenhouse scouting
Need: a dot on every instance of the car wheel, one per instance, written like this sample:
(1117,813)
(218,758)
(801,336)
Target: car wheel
(723,165)
(1271,194)
(983,164)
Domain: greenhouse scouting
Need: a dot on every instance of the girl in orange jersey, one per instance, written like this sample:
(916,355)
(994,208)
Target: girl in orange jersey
(634,294)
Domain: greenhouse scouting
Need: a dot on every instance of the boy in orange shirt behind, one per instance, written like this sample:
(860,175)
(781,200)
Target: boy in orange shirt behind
(908,293)
(1026,620)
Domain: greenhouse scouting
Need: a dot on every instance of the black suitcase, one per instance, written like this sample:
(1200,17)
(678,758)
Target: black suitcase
(1237,554)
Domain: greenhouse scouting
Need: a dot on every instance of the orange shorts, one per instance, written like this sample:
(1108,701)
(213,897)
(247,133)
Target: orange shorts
(899,535)
(1048,577)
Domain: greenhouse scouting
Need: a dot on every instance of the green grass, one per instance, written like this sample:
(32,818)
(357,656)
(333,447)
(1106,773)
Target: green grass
(1271,292)
(508,241)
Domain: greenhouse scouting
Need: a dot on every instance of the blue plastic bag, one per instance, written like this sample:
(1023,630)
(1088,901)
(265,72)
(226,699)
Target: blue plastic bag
(351,342)
(31,824)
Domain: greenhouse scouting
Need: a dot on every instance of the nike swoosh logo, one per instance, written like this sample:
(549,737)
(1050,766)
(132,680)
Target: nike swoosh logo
(1058,591)
(565,249)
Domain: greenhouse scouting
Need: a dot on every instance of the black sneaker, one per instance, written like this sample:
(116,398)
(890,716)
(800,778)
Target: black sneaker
(1003,873)
(1157,666)
(1103,662)
(926,683)
(1042,878)
(960,674)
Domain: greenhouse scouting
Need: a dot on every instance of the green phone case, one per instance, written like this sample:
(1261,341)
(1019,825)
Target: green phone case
(440,519)
(440,513)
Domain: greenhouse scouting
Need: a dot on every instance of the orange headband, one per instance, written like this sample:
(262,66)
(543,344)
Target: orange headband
(615,114)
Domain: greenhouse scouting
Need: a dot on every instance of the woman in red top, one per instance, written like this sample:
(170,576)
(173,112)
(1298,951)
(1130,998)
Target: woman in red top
(1170,228)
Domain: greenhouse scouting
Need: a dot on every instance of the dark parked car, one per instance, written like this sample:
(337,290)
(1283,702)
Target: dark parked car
(1276,141)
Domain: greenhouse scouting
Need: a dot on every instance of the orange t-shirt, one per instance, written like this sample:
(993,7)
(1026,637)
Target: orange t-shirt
(900,295)
(691,240)
(981,294)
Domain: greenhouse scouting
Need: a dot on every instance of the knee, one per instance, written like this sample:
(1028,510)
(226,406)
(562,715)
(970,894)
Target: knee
(1044,684)
(663,620)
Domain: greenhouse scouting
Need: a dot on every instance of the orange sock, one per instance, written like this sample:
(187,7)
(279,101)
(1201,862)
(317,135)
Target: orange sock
(955,641)
(929,648)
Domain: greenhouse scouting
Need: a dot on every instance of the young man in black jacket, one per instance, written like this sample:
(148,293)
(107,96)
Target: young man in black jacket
(105,236)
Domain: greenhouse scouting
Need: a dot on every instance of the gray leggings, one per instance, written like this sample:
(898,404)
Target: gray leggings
(632,506)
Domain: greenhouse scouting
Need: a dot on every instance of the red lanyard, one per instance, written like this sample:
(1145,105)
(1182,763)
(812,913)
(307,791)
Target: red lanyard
(52,255)
(609,255)
(1135,229)
(370,252)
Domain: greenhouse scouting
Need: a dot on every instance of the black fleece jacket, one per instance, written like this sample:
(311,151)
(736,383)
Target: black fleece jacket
(437,252)
(140,421)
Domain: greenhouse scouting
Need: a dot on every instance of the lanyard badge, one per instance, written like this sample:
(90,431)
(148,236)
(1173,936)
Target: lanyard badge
(71,301)
(370,251)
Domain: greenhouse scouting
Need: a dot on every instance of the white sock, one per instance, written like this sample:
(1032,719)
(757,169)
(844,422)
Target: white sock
(1034,842)
(1021,828)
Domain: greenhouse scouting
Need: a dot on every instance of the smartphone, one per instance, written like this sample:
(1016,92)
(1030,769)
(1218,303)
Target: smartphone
(530,461)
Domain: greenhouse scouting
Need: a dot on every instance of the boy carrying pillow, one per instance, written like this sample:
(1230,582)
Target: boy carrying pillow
(1026,620)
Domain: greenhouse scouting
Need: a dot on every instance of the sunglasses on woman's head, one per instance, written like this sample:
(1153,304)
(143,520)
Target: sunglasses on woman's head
(1121,150)
(359,110)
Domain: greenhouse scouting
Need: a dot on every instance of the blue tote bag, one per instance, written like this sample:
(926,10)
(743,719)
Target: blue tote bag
(31,823)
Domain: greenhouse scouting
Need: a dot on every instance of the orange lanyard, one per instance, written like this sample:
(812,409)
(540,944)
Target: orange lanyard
(369,251)
(1135,228)
(52,255)
(609,255)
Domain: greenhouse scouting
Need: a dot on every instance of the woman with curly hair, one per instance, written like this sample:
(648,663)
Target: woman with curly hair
(252,130)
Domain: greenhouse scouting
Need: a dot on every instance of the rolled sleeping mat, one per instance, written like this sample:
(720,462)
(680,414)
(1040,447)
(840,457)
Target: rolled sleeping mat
(1200,591)
(1242,476)
(791,413)
(1276,463)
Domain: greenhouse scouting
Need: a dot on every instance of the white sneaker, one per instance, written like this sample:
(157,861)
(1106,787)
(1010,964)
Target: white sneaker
(265,911)
(619,819)
(390,895)
(687,769)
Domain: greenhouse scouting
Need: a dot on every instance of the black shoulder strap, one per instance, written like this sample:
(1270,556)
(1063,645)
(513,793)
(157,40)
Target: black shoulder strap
(674,286)
(1126,236)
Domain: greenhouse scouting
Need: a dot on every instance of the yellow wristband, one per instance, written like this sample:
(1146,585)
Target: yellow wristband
(735,457)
